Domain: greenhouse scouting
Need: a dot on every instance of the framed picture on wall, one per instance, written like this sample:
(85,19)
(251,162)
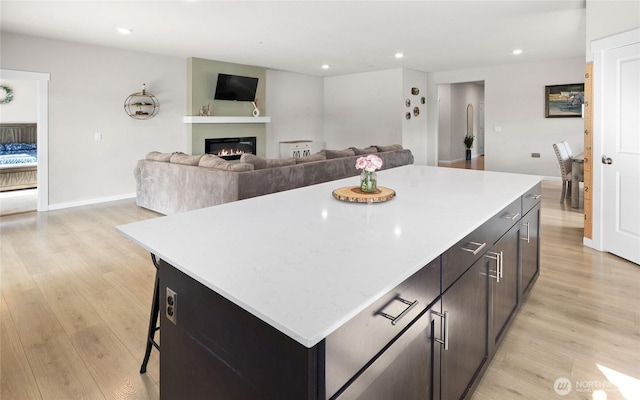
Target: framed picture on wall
(564,101)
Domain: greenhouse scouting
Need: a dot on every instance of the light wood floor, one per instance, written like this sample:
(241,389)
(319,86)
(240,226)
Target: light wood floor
(76,296)
(474,163)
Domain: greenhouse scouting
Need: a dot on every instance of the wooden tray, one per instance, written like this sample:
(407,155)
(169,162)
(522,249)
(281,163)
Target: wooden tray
(353,194)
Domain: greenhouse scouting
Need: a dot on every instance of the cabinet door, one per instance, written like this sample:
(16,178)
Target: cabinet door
(466,302)
(407,369)
(503,284)
(530,249)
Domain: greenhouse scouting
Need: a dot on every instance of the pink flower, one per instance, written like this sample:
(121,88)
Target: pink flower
(369,163)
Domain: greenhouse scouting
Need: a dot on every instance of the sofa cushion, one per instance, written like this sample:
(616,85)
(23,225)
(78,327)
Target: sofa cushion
(312,157)
(264,163)
(392,147)
(338,153)
(157,156)
(213,161)
(185,159)
(366,150)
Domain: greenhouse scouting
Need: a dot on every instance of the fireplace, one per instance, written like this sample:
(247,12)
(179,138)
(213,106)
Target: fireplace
(230,148)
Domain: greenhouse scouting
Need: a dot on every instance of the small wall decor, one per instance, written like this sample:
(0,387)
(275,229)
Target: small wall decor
(423,100)
(415,91)
(407,115)
(416,111)
(407,102)
(563,101)
(8,94)
(141,105)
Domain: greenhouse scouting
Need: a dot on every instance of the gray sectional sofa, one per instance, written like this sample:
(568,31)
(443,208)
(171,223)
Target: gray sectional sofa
(170,183)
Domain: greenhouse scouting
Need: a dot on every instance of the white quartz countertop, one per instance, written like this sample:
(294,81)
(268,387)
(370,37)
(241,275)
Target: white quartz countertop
(306,263)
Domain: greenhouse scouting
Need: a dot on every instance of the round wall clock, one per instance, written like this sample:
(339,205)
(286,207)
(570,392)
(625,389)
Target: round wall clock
(7,96)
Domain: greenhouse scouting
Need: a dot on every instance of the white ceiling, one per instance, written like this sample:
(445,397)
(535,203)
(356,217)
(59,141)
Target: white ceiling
(300,36)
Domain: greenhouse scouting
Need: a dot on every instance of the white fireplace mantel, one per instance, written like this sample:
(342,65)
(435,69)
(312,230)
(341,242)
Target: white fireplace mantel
(192,119)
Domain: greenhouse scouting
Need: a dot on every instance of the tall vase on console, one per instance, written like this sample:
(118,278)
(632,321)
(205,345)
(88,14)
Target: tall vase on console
(468,142)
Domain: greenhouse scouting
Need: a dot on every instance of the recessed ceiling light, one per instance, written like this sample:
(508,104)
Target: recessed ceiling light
(124,31)
(399,55)
(516,52)
(325,66)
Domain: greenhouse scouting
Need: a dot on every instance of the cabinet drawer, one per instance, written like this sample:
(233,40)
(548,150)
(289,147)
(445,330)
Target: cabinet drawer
(460,256)
(353,345)
(531,198)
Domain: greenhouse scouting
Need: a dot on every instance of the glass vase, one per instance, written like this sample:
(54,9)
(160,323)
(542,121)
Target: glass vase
(368,182)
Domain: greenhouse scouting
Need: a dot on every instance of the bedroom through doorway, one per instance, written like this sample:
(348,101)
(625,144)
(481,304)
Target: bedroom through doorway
(24,119)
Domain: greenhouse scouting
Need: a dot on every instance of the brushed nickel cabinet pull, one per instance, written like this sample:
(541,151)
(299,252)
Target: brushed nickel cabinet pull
(511,215)
(394,320)
(445,330)
(477,250)
(534,196)
(498,257)
(528,238)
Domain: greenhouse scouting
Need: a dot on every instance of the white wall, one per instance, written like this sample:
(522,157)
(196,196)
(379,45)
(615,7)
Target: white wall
(514,101)
(23,108)
(414,130)
(609,17)
(363,109)
(87,91)
(296,108)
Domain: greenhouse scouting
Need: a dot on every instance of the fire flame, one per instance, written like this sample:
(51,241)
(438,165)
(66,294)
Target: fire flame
(230,152)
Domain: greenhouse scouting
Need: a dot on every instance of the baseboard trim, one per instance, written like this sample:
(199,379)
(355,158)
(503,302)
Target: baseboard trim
(89,202)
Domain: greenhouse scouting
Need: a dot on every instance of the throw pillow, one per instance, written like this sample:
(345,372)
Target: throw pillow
(392,147)
(263,163)
(366,150)
(157,156)
(213,161)
(339,153)
(185,159)
(312,157)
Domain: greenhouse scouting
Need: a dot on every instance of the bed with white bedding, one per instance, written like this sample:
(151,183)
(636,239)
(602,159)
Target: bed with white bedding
(18,156)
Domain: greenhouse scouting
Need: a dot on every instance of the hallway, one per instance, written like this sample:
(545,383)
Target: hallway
(475,163)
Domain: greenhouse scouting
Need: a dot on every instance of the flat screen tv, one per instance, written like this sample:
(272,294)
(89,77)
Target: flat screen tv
(234,87)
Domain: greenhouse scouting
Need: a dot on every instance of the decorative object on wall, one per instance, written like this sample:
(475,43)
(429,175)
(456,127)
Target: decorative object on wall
(256,112)
(423,100)
(142,105)
(407,102)
(416,111)
(8,94)
(407,115)
(563,101)
(415,91)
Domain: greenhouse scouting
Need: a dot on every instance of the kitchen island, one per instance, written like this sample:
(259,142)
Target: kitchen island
(299,295)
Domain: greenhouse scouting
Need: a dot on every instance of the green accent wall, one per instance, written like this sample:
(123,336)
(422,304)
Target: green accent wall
(202,76)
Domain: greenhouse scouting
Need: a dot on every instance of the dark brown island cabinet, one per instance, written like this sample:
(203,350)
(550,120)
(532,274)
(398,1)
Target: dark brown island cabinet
(431,337)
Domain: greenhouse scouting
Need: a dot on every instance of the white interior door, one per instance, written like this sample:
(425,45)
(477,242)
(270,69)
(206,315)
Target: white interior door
(621,151)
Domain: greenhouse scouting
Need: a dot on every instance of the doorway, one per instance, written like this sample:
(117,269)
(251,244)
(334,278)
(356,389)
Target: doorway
(454,124)
(41,81)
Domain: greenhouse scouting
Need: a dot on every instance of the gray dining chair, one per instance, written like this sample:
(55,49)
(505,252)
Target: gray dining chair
(564,160)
